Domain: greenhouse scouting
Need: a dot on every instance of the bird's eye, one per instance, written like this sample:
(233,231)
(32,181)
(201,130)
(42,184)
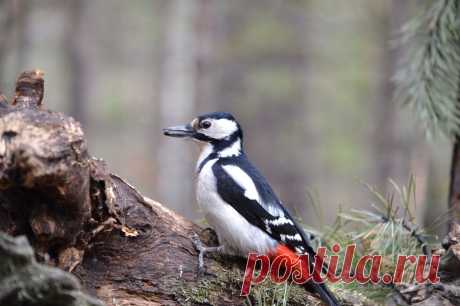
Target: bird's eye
(205,124)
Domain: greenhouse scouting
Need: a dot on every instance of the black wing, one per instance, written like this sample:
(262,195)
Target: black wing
(266,213)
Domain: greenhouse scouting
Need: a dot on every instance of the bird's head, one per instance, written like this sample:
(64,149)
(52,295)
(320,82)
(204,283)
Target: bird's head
(218,128)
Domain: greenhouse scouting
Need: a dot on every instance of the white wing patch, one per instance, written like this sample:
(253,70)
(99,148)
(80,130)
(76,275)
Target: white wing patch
(280,221)
(291,237)
(299,249)
(244,181)
(274,211)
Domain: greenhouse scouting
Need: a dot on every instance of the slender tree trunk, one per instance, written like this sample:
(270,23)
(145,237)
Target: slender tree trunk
(434,198)
(206,55)
(175,170)
(76,60)
(308,110)
(7,22)
(22,11)
(13,33)
(386,145)
(309,171)
(454,187)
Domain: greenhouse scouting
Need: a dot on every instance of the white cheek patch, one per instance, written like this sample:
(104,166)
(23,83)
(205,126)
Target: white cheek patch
(220,128)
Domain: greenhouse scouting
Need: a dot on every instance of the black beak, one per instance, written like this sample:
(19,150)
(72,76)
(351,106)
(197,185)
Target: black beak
(179,131)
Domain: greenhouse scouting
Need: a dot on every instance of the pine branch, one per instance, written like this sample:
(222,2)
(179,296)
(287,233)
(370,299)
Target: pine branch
(429,75)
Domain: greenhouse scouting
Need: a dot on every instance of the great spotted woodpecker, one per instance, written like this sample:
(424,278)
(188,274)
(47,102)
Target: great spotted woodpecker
(237,200)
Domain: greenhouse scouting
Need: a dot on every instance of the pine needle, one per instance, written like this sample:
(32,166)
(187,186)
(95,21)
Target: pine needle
(429,75)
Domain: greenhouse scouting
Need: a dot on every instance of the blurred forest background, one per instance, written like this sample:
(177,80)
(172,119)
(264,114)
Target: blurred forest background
(310,82)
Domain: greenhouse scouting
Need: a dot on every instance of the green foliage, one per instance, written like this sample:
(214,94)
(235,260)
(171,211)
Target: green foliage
(388,230)
(428,78)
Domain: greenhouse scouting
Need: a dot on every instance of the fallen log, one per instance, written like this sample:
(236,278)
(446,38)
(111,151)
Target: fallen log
(124,248)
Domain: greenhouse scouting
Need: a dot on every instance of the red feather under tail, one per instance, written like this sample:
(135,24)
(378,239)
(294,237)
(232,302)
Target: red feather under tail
(318,289)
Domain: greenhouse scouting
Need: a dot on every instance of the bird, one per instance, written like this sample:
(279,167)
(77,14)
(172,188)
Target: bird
(237,200)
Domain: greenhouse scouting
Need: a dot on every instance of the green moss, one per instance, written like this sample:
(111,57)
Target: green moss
(223,281)
(199,294)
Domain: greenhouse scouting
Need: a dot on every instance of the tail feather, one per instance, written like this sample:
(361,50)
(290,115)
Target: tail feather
(323,292)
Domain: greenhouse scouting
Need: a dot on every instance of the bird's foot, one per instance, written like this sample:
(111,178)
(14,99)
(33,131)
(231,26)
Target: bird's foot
(202,250)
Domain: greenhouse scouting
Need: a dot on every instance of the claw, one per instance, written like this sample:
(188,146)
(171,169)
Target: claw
(202,250)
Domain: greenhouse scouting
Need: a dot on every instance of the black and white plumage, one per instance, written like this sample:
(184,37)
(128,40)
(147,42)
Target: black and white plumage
(237,200)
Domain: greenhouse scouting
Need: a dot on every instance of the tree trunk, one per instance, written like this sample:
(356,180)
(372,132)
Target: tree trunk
(454,187)
(177,105)
(21,19)
(7,22)
(387,148)
(207,49)
(75,52)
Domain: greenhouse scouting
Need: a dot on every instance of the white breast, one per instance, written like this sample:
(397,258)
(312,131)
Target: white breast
(238,236)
